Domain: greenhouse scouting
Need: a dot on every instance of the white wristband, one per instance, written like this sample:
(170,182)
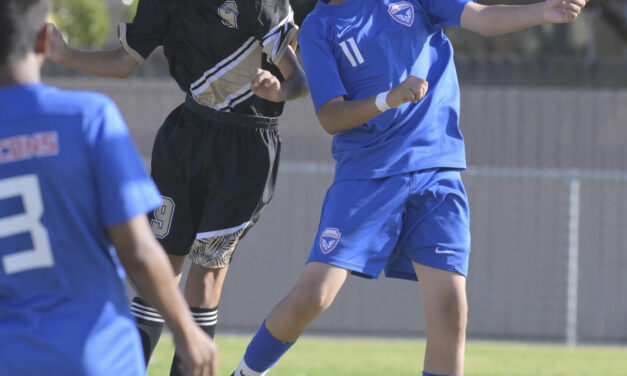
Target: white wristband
(381,101)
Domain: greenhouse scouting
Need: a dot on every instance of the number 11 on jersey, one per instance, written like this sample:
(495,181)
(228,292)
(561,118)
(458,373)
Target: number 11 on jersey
(353,57)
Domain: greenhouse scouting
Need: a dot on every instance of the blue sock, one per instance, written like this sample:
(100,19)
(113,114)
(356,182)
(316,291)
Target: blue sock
(433,374)
(264,350)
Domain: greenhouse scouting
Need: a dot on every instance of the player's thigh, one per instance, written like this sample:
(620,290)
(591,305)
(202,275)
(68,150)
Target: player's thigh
(360,224)
(437,226)
(242,178)
(240,183)
(172,222)
(173,168)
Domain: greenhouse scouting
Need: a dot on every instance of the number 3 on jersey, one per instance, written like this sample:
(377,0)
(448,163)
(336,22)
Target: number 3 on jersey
(353,57)
(40,256)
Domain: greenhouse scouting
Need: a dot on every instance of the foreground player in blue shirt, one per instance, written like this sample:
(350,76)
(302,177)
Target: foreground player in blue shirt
(72,187)
(382,79)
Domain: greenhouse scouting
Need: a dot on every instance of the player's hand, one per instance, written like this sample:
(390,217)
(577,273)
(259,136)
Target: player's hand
(562,11)
(265,85)
(412,89)
(57,44)
(197,352)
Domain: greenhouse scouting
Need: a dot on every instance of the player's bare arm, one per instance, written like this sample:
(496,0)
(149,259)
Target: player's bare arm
(149,269)
(491,20)
(265,85)
(339,115)
(113,63)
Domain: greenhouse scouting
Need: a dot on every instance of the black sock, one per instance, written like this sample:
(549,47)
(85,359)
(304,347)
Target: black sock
(206,318)
(149,323)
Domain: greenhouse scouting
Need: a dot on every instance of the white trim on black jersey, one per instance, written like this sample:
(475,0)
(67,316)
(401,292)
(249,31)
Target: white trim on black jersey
(223,66)
(235,99)
(122,38)
(289,17)
(277,36)
(276,39)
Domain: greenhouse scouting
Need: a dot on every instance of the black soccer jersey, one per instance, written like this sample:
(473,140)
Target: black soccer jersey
(213,45)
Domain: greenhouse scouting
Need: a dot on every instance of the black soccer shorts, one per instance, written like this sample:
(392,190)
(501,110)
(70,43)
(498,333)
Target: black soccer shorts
(216,171)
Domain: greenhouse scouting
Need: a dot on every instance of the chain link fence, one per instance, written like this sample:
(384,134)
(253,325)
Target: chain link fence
(547,185)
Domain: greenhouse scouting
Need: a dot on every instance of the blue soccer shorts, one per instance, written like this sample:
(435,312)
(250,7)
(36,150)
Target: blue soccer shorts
(368,226)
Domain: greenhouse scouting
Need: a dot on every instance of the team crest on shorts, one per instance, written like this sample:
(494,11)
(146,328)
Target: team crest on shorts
(329,239)
(229,11)
(402,12)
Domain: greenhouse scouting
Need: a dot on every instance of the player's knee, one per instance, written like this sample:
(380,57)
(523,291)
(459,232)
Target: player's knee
(454,313)
(313,300)
(458,320)
(449,316)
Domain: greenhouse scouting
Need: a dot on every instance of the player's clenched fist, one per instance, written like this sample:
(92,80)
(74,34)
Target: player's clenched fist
(265,85)
(57,44)
(412,89)
(562,11)
(197,352)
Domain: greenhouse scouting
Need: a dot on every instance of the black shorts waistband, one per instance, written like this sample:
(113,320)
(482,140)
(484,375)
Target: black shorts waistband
(229,118)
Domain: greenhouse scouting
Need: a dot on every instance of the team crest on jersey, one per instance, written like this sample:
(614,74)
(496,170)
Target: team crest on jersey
(229,11)
(329,239)
(402,12)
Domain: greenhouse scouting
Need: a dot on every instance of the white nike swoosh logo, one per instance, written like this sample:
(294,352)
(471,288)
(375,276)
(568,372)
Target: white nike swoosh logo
(437,250)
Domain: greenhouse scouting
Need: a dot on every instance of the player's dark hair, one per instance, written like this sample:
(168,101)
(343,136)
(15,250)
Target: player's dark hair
(20,23)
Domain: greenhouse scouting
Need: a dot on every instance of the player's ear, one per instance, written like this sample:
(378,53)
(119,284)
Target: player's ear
(42,45)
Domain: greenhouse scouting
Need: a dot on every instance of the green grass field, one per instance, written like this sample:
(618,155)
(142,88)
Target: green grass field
(313,356)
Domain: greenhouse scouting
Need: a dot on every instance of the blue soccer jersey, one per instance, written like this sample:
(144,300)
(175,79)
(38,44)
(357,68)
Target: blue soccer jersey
(360,48)
(68,171)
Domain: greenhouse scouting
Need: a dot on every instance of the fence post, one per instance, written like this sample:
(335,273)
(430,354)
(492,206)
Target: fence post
(574,202)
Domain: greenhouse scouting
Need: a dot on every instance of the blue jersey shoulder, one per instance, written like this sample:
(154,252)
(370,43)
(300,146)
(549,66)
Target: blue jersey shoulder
(312,22)
(53,101)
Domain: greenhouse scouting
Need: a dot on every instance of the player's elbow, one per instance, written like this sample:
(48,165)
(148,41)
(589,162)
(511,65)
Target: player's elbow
(123,74)
(123,64)
(123,71)
(302,89)
(296,86)
(331,131)
(330,118)
(120,75)
(329,125)
(487,32)
(481,29)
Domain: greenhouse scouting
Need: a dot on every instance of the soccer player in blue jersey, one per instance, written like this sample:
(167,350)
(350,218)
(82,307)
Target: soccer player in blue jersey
(382,79)
(72,187)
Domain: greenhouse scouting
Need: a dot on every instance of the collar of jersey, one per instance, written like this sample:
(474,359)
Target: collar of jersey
(347,4)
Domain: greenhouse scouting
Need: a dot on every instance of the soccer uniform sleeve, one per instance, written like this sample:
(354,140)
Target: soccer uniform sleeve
(445,12)
(276,29)
(321,69)
(124,188)
(146,32)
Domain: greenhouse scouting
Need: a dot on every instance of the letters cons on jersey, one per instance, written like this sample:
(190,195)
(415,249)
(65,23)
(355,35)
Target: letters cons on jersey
(22,147)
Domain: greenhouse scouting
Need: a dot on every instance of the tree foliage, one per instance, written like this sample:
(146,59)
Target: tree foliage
(131,9)
(85,23)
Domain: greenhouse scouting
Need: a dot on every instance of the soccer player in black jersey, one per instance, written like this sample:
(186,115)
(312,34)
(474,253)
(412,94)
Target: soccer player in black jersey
(215,157)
